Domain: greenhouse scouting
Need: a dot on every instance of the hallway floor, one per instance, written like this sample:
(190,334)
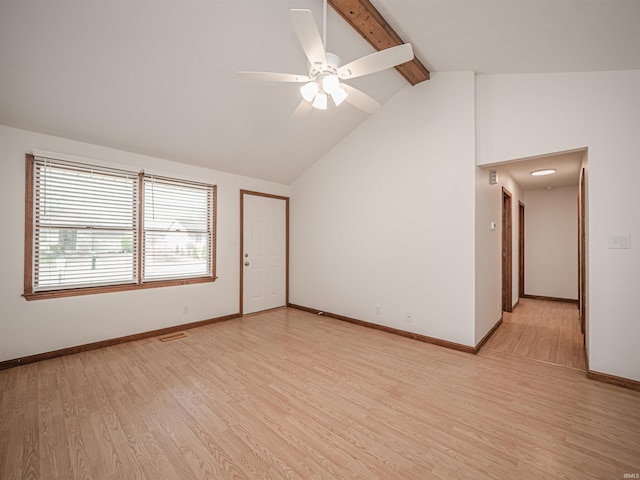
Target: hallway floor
(543,330)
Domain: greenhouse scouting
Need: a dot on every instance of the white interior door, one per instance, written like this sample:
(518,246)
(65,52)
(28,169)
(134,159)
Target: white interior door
(264,259)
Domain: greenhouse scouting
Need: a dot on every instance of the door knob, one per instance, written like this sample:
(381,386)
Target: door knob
(246,264)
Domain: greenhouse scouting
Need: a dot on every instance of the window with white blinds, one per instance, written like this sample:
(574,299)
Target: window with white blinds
(177,229)
(90,226)
(85,226)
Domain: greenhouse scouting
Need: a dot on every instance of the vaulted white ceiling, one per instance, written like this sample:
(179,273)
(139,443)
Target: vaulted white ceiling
(159,77)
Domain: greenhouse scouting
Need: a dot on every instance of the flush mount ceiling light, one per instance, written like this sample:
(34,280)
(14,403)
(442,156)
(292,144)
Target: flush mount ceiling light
(546,171)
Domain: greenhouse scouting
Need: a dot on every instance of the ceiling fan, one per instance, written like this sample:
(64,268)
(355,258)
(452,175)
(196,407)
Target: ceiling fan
(326,73)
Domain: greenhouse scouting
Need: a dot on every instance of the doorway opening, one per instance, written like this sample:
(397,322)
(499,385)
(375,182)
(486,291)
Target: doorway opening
(507,257)
(549,275)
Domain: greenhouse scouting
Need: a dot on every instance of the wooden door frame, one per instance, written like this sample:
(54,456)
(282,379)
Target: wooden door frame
(507,251)
(520,249)
(582,255)
(277,197)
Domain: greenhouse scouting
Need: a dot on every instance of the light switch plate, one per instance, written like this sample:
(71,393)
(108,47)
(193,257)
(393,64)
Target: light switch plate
(620,241)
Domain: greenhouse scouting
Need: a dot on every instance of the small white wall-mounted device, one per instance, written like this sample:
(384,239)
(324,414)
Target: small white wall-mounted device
(620,241)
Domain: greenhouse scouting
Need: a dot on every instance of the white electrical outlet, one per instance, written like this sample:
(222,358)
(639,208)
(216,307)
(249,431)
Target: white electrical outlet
(185,310)
(409,316)
(377,309)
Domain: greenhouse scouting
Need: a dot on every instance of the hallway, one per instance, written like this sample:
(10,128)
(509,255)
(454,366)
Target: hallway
(543,330)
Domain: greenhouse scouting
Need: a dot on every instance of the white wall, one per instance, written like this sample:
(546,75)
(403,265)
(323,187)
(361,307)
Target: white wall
(489,247)
(387,217)
(38,326)
(551,242)
(523,116)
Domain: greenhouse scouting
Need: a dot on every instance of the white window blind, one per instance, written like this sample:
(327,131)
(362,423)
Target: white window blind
(177,229)
(85,225)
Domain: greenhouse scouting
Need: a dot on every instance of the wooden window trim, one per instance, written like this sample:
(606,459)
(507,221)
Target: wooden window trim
(28,230)
(72,292)
(29,294)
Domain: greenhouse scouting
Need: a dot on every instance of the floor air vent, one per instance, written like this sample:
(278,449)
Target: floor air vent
(174,336)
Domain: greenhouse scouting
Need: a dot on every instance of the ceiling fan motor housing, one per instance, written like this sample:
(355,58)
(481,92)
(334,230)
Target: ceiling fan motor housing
(331,68)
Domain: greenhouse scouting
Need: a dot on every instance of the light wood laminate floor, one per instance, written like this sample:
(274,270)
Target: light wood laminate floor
(290,395)
(543,330)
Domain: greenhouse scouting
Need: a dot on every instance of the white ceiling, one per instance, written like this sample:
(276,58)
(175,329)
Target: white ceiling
(157,77)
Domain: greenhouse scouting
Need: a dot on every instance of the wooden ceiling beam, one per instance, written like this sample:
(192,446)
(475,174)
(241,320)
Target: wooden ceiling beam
(369,23)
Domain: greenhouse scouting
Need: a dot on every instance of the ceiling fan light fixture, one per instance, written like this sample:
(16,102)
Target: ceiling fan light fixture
(339,96)
(320,102)
(309,91)
(330,84)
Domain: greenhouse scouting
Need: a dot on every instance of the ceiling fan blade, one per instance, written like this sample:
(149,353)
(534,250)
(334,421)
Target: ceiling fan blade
(377,61)
(360,99)
(302,109)
(305,26)
(273,77)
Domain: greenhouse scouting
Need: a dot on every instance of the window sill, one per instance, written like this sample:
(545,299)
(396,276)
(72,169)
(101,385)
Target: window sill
(73,292)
